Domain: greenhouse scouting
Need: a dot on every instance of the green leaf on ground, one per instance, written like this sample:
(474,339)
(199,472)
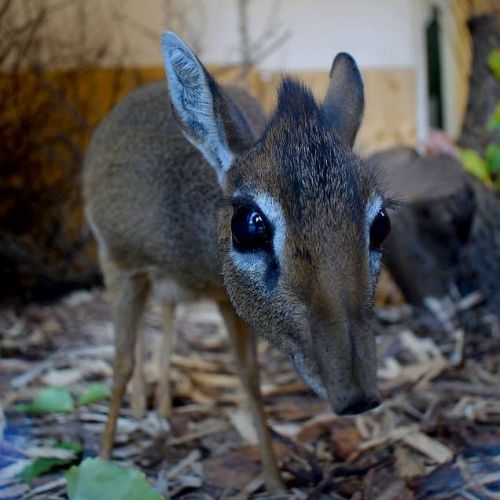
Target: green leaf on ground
(42,465)
(48,400)
(494,62)
(96,478)
(475,165)
(492,155)
(94,393)
(494,120)
(71,445)
(52,400)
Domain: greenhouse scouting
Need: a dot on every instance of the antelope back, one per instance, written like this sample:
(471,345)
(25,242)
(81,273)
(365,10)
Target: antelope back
(151,198)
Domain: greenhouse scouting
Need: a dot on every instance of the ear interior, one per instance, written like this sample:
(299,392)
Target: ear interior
(188,89)
(344,102)
(195,99)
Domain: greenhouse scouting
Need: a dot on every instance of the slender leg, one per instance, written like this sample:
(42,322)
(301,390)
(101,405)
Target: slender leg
(244,346)
(163,399)
(138,385)
(131,294)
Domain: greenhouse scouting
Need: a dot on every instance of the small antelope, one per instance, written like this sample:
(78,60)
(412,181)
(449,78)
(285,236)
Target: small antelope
(277,221)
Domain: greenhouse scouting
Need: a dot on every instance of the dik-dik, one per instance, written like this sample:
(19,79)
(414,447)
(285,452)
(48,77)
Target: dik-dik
(277,221)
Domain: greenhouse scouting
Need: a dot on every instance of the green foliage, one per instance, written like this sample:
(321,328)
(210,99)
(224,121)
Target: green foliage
(494,62)
(96,479)
(49,400)
(59,399)
(494,121)
(94,393)
(42,465)
(493,158)
(475,165)
(486,168)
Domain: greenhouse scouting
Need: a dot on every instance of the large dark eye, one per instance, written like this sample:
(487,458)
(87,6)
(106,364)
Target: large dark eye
(379,230)
(249,229)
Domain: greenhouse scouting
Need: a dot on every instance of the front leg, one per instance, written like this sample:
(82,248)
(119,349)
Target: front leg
(128,305)
(245,349)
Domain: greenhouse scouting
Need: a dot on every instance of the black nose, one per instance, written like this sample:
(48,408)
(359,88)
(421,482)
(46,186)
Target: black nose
(359,405)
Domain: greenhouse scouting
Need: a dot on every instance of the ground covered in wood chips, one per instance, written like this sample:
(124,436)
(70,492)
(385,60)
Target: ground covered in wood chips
(436,435)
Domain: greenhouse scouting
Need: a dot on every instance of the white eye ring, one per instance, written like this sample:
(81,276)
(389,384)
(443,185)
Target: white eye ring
(373,207)
(273,213)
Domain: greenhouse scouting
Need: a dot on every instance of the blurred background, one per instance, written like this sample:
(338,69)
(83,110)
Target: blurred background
(65,63)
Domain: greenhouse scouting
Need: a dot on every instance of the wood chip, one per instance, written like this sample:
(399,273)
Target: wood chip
(193,457)
(194,363)
(426,445)
(16,490)
(407,465)
(14,469)
(62,377)
(47,452)
(216,380)
(44,488)
(242,422)
(212,428)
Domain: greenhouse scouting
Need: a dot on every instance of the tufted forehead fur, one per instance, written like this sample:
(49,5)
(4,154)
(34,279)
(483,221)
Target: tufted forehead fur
(302,163)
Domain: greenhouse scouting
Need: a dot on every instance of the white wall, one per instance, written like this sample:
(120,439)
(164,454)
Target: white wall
(378,33)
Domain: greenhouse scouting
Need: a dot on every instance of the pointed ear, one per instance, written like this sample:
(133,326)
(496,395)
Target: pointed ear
(209,119)
(344,102)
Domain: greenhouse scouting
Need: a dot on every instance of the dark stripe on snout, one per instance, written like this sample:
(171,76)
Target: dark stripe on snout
(272,273)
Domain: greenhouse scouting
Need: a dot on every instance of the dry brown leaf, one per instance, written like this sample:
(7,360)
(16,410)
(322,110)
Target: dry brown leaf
(316,426)
(231,470)
(345,440)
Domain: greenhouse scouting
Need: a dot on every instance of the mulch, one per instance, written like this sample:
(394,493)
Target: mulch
(436,435)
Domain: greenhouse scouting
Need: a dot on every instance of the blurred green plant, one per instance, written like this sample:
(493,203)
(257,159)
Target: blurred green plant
(494,62)
(97,479)
(494,121)
(93,393)
(476,165)
(60,400)
(49,400)
(486,167)
(43,465)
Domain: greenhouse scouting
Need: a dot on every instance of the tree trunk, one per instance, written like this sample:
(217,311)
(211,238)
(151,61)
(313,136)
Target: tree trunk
(446,236)
(484,88)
